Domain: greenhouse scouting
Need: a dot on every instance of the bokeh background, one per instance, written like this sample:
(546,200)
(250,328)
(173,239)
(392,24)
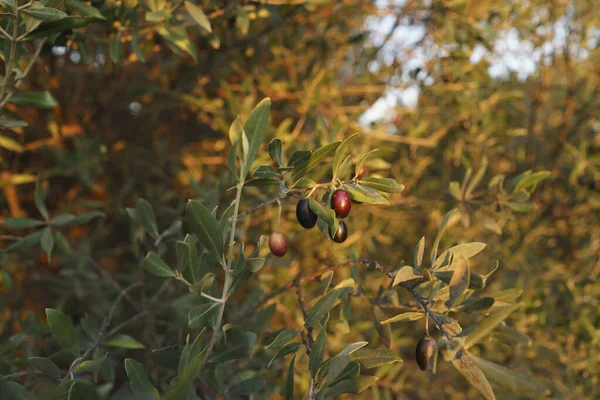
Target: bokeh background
(441,88)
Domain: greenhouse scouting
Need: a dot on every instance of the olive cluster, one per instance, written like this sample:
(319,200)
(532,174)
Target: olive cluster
(340,203)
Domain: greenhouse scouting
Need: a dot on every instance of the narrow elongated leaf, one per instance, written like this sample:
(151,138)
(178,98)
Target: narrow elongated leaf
(14,391)
(265,172)
(38,197)
(47,242)
(198,15)
(10,144)
(285,350)
(459,282)
(387,185)
(509,379)
(304,183)
(352,348)
(179,39)
(157,267)
(45,14)
(46,366)
(139,381)
(341,153)
(407,316)
(256,128)
(198,316)
(321,307)
(487,325)
(405,274)
(507,295)
(364,194)
(80,390)
(43,100)
(25,243)
(203,224)
(288,387)
(124,341)
(318,351)
(63,330)
(316,158)
(12,123)
(419,252)
(85,10)
(283,337)
(362,160)
(276,152)
(327,215)
(440,233)
(21,223)
(464,363)
(371,358)
(299,157)
(91,366)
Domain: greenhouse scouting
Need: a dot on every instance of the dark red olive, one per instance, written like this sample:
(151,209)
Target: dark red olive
(340,202)
(360,174)
(426,349)
(306,217)
(341,234)
(277,244)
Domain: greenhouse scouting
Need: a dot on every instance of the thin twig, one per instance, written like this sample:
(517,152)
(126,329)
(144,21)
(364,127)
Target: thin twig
(307,337)
(102,332)
(123,324)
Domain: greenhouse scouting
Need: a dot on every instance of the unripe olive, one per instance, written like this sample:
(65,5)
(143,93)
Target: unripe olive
(306,217)
(341,234)
(277,244)
(425,352)
(340,202)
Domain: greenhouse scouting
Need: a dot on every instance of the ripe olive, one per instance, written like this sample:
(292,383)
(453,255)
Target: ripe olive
(340,202)
(360,174)
(277,244)
(341,234)
(426,349)
(306,217)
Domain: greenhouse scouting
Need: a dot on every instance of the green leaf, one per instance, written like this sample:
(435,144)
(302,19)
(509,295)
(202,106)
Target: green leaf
(318,351)
(140,384)
(440,233)
(124,341)
(478,176)
(91,366)
(255,264)
(471,304)
(353,385)
(304,183)
(45,14)
(43,100)
(47,242)
(464,363)
(84,218)
(362,160)
(371,358)
(276,152)
(199,316)
(321,307)
(115,50)
(407,316)
(255,129)
(419,252)
(363,194)
(51,28)
(46,366)
(203,224)
(21,223)
(157,267)
(316,158)
(507,295)
(466,250)
(135,46)
(288,387)
(282,338)
(327,215)
(352,348)
(406,273)
(25,243)
(14,391)
(299,157)
(145,217)
(341,152)
(85,10)
(63,330)
(285,350)
(39,200)
(487,325)
(265,172)
(12,123)
(184,256)
(62,220)
(529,182)
(387,185)
(459,282)
(198,15)
(511,380)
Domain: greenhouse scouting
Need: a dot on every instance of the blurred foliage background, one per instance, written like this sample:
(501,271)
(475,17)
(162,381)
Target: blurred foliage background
(441,88)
